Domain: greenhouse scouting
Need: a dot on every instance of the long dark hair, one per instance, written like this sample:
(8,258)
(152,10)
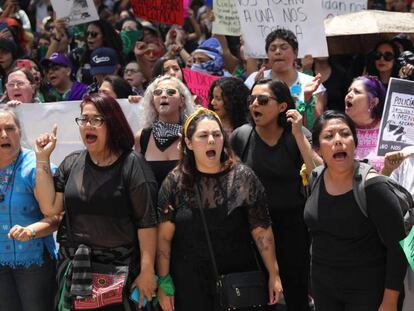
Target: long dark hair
(119,133)
(187,164)
(234,93)
(372,69)
(280,90)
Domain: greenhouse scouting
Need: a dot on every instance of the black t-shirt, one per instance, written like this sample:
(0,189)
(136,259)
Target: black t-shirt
(343,237)
(106,205)
(277,167)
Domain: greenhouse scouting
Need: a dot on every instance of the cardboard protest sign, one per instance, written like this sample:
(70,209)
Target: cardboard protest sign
(199,83)
(162,11)
(75,12)
(226,19)
(397,123)
(407,245)
(332,8)
(302,17)
(37,119)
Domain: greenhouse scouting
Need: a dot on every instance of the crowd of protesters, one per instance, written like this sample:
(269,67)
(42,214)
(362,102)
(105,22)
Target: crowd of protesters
(235,172)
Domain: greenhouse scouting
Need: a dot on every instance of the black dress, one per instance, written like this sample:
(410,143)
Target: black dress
(160,168)
(234,203)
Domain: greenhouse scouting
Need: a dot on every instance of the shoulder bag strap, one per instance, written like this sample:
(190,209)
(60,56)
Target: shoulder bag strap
(203,219)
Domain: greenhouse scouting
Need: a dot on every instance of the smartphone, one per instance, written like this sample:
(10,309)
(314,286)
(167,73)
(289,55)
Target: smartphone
(135,296)
(24,63)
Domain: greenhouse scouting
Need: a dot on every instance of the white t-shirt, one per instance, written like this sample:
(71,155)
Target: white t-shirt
(295,89)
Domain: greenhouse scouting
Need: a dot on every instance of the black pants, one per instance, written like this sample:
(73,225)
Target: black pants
(347,289)
(292,252)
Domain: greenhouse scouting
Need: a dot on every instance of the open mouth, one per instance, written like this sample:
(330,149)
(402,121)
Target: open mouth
(211,154)
(5,145)
(339,155)
(348,104)
(257,114)
(164,104)
(91,138)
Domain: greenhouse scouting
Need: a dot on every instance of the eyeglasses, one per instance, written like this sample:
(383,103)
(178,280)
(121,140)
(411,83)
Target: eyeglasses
(93,34)
(261,99)
(169,92)
(131,71)
(388,56)
(96,121)
(13,84)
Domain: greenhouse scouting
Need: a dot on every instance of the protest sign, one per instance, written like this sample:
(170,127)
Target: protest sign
(397,123)
(199,83)
(407,245)
(75,12)
(226,19)
(162,11)
(37,119)
(302,17)
(332,8)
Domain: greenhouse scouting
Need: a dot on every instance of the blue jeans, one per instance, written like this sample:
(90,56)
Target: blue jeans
(28,289)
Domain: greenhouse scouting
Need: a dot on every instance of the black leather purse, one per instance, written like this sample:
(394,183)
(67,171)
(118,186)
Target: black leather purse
(236,290)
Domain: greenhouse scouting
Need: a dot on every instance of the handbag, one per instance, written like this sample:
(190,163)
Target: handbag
(108,282)
(236,290)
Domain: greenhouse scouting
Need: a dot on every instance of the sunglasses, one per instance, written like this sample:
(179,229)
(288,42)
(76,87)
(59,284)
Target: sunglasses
(387,56)
(261,99)
(93,34)
(169,92)
(154,53)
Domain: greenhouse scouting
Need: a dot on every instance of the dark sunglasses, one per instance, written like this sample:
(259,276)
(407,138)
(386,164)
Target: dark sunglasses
(170,92)
(388,56)
(93,34)
(261,99)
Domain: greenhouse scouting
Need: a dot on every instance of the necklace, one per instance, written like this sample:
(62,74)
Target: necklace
(6,177)
(107,162)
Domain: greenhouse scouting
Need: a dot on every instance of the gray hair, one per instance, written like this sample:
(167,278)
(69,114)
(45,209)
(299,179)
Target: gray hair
(149,114)
(12,114)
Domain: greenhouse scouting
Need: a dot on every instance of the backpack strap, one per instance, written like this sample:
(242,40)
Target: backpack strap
(315,177)
(144,139)
(244,133)
(361,171)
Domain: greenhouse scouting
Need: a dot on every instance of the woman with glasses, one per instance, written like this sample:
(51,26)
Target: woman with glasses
(234,204)
(98,34)
(108,194)
(28,252)
(166,103)
(20,88)
(382,62)
(275,145)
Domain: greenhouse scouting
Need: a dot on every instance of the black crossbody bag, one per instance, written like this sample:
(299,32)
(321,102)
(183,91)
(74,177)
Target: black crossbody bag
(236,290)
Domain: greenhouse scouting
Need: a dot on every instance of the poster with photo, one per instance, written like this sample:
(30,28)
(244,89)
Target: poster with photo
(397,123)
(75,11)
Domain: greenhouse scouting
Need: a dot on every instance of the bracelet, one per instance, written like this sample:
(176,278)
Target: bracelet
(165,283)
(39,161)
(32,233)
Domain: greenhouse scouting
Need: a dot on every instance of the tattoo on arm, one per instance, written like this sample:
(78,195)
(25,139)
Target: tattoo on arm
(263,243)
(45,169)
(163,255)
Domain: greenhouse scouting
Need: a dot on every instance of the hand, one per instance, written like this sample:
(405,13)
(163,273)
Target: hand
(13,103)
(260,74)
(146,284)
(45,144)
(134,99)
(20,233)
(174,49)
(295,117)
(406,71)
(392,161)
(140,48)
(310,87)
(275,289)
(166,302)
(307,62)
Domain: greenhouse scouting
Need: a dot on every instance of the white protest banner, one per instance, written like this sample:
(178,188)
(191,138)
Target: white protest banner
(332,8)
(226,19)
(37,119)
(397,123)
(302,17)
(75,11)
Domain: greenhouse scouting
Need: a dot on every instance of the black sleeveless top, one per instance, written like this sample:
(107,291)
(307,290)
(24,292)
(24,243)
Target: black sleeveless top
(159,168)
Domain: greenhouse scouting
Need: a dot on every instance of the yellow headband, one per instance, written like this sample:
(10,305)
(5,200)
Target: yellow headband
(195,114)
